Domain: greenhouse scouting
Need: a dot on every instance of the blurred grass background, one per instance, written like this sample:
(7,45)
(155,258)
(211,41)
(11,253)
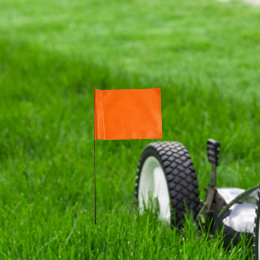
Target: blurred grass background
(203,55)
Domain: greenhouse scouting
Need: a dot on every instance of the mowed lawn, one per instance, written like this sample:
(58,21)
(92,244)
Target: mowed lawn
(53,54)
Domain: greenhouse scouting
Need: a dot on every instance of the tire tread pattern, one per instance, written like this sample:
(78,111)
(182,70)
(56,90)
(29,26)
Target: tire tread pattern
(180,175)
(256,227)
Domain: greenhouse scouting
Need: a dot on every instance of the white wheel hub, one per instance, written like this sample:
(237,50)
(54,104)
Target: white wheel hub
(153,187)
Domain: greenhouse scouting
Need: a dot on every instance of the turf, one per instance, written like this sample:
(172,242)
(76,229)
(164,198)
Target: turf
(53,55)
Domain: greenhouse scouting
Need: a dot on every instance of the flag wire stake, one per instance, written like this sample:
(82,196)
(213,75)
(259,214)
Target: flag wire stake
(95,183)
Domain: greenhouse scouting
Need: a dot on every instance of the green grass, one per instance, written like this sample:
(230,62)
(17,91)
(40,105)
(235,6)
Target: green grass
(203,55)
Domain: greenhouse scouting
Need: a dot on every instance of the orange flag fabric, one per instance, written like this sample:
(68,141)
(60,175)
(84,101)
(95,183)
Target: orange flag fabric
(128,114)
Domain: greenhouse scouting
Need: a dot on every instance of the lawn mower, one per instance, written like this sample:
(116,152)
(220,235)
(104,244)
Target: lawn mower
(166,177)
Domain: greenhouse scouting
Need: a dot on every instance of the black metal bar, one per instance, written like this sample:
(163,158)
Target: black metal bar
(95,183)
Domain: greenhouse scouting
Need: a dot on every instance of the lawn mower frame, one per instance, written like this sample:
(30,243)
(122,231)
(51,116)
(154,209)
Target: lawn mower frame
(166,175)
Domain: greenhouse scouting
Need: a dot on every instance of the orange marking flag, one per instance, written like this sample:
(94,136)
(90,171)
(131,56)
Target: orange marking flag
(128,114)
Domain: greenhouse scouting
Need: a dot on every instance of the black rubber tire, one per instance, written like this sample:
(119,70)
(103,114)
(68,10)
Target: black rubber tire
(180,176)
(256,227)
